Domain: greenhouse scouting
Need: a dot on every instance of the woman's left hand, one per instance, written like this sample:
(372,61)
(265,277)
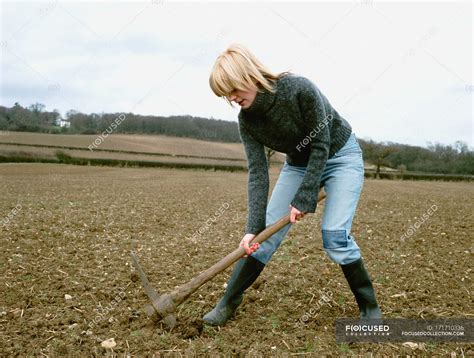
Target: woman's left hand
(295,214)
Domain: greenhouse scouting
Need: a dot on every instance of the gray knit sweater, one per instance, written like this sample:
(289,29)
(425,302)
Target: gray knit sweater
(297,120)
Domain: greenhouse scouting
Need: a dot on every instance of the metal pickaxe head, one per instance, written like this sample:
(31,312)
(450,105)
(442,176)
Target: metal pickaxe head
(163,306)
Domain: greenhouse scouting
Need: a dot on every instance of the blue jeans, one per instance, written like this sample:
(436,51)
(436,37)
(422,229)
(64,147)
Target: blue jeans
(342,179)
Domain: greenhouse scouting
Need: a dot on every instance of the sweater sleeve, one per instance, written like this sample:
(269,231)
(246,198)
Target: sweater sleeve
(258,182)
(314,113)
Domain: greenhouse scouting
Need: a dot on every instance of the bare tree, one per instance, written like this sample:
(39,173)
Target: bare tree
(270,153)
(378,155)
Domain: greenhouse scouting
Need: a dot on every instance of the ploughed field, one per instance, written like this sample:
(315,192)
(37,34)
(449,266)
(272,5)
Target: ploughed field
(67,284)
(128,142)
(124,150)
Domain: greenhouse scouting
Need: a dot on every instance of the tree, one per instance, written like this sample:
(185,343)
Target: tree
(402,168)
(270,153)
(378,154)
(37,108)
(461,147)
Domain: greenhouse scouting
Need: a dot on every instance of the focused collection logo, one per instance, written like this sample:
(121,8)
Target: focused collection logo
(367,329)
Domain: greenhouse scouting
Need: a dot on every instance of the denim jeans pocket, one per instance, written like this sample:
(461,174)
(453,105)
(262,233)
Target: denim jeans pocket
(351,147)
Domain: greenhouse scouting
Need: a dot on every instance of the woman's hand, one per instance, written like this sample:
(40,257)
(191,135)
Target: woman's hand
(245,243)
(295,214)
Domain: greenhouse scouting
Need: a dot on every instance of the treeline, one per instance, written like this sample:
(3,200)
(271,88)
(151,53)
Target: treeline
(31,119)
(436,158)
(36,119)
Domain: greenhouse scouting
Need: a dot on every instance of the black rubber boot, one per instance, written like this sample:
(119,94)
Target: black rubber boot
(361,286)
(245,273)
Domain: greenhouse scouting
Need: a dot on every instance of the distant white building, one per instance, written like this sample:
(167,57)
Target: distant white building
(63,123)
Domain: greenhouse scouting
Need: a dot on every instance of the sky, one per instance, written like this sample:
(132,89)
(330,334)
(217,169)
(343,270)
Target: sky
(396,71)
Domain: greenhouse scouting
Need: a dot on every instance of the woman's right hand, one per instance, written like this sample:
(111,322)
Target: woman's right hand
(245,244)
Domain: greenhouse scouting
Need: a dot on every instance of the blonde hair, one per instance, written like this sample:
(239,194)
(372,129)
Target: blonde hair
(238,69)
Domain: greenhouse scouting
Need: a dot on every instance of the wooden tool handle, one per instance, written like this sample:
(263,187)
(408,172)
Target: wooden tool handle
(183,292)
(278,225)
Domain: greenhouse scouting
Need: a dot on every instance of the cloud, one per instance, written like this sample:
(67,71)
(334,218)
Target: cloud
(391,69)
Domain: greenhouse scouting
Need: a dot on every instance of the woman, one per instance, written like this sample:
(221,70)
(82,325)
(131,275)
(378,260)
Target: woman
(289,114)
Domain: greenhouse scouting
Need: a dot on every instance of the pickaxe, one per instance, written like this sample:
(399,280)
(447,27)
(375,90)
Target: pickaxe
(163,306)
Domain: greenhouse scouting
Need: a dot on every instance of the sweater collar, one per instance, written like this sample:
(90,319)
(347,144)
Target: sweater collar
(263,101)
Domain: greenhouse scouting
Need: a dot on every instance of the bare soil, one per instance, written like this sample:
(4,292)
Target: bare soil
(73,228)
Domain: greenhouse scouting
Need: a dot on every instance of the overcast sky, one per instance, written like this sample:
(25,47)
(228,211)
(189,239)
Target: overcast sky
(397,71)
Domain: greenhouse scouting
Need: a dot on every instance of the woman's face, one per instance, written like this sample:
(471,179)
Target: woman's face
(243,98)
